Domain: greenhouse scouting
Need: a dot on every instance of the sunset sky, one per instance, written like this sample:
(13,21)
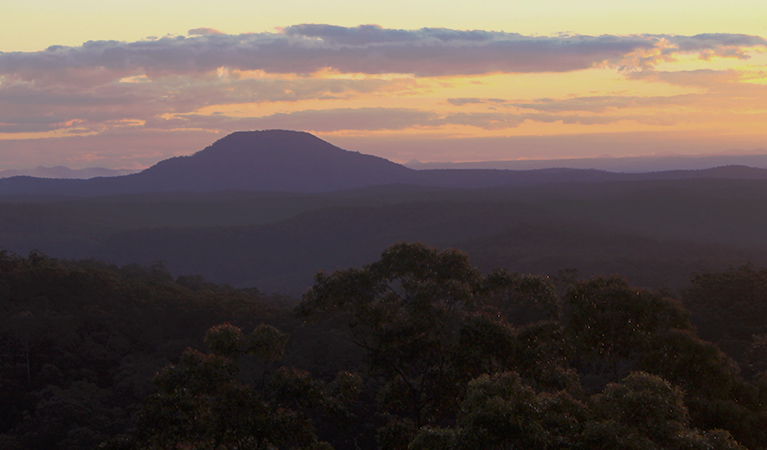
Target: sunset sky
(124,84)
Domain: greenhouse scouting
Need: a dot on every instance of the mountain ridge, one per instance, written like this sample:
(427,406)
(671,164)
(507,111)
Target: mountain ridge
(62,172)
(625,164)
(294,161)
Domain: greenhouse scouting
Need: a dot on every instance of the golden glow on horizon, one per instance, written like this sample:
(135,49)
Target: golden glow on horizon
(717,92)
(432,94)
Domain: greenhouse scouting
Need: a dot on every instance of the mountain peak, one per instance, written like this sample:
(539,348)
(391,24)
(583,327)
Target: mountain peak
(294,161)
(271,142)
(272,160)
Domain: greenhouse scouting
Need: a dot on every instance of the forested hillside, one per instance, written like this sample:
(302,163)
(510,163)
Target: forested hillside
(418,350)
(654,233)
(80,342)
(268,209)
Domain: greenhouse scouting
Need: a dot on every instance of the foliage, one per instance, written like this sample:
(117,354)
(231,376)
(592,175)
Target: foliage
(611,323)
(448,359)
(80,340)
(405,310)
(202,403)
(518,365)
(729,309)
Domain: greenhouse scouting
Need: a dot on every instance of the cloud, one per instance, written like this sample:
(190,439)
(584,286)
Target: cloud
(474,100)
(590,104)
(369,49)
(575,119)
(706,46)
(717,90)
(116,148)
(203,32)
(361,35)
(720,44)
(310,120)
(163,84)
(376,119)
(699,78)
(27,108)
(485,121)
(600,104)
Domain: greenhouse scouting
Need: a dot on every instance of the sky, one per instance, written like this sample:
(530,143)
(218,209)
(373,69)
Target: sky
(124,84)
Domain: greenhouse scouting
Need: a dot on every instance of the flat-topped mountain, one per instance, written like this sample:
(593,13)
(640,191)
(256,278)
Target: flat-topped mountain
(265,161)
(292,161)
(272,160)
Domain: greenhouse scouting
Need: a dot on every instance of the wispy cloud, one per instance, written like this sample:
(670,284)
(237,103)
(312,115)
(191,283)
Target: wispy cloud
(715,88)
(376,119)
(203,32)
(312,120)
(706,78)
(26,108)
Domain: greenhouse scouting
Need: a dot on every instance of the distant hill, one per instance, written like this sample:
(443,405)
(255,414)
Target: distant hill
(65,172)
(597,235)
(656,232)
(631,164)
(291,161)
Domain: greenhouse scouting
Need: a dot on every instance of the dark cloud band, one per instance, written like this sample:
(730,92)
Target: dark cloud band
(367,49)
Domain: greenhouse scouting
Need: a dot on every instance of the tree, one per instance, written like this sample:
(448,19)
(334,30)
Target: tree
(645,411)
(610,323)
(202,402)
(430,323)
(501,411)
(729,308)
(523,299)
(405,310)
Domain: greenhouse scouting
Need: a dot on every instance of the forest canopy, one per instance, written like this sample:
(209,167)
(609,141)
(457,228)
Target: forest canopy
(417,350)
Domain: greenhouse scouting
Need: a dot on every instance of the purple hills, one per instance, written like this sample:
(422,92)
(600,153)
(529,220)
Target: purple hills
(65,172)
(293,161)
(272,160)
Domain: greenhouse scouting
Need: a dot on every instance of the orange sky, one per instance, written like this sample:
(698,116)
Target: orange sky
(460,89)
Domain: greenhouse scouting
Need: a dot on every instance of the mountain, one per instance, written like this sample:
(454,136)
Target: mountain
(265,161)
(291,161)
(273,160)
